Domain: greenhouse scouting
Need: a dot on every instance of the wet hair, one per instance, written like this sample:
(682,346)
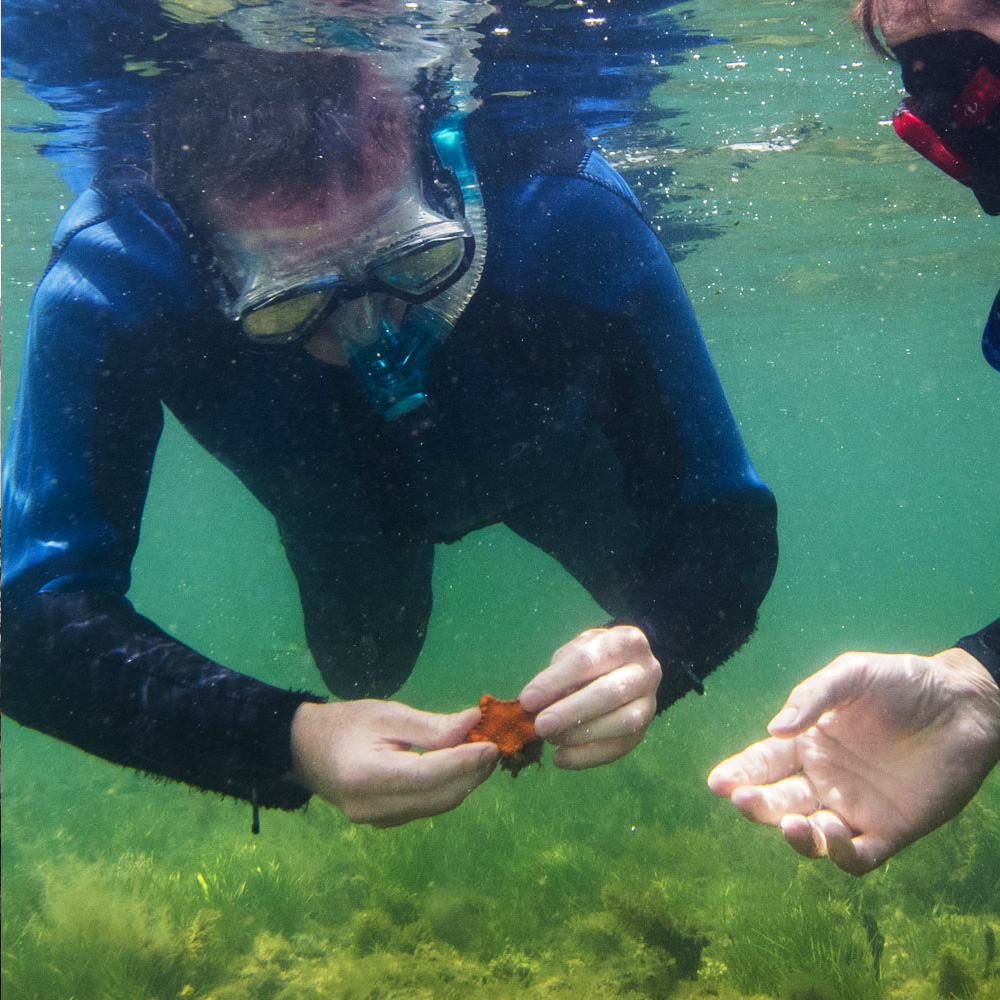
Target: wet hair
(254,124)
(867,15)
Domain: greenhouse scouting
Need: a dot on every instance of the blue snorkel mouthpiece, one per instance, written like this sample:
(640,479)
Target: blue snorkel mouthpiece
(392,369)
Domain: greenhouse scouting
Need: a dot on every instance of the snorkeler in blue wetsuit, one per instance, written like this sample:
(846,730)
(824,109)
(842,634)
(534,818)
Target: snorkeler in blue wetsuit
(390,349)
(874,751)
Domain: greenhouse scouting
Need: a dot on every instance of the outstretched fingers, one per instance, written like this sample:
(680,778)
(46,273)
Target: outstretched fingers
(839,682)
(769,804)
(825,834)
(763,763)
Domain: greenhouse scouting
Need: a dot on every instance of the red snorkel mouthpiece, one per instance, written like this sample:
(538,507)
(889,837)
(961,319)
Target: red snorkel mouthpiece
(977,102)
(979,99)
(917,133)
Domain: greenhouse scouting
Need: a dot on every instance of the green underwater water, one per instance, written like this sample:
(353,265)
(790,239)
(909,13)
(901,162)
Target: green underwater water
(843,292)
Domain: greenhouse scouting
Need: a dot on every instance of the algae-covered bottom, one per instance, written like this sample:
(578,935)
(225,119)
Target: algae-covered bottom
(624,884)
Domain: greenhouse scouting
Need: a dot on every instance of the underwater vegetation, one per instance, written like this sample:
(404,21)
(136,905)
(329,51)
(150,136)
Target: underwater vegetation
(153,891)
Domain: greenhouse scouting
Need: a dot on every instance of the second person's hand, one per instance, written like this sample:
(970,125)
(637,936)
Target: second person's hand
(870,753)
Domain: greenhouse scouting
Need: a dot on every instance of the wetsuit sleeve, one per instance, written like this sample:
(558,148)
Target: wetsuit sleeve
(984,645)
(694,573)
(712,554)
(79,662)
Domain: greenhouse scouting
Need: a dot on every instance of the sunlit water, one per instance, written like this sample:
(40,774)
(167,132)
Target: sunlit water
(842,285)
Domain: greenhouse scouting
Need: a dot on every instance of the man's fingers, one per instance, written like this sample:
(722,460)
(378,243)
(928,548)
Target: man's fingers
(590,655)
(853,852)
(428,730)
(579,758)
(805,838)
(825,834)
(627,722)
(762,763)
(397,810)
(418,785)
(400,772)
(819,835)
(867,853)
(612,705)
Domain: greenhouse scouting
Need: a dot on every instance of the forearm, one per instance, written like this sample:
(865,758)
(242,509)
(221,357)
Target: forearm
(86,668)
(702,585)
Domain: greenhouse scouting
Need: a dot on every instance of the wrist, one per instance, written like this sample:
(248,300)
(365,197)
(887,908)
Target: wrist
(967,666)
(980,691)
(307,728)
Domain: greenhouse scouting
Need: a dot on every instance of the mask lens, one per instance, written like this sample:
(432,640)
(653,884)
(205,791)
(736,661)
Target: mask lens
(422,270)
(286,320)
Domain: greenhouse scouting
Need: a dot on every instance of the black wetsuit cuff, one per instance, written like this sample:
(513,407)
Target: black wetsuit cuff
(679,676)
(984,645)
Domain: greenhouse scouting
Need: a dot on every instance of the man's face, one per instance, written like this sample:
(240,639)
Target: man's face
(332,268)
(950,58)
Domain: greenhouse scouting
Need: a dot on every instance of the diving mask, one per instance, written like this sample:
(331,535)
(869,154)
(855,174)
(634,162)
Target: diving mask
(414,272)
(280,282)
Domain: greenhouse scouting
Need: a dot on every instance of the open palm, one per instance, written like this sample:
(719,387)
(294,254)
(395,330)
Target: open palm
(869,754)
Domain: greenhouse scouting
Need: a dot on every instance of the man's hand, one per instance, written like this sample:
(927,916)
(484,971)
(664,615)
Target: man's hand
(357,755)
(869,754)
(596,697)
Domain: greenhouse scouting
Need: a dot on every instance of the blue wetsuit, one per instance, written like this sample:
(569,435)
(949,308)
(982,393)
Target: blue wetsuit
(575,402)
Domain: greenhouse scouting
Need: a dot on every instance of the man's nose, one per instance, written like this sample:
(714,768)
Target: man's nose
(359,320)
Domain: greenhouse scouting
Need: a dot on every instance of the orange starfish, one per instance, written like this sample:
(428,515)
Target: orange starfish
(511,728)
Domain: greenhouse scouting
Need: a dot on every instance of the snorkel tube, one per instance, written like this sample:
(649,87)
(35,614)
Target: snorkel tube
(393,369)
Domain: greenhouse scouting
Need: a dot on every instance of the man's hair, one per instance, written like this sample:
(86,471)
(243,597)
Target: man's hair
(252,124)
(867,15)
